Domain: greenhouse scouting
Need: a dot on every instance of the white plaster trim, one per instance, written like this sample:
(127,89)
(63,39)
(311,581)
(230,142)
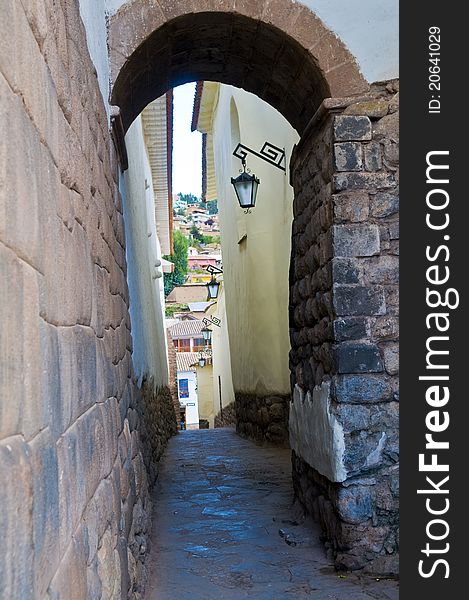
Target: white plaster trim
(315,434)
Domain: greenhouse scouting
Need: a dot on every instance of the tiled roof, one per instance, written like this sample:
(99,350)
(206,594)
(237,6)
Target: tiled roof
(188,327)
(185,361)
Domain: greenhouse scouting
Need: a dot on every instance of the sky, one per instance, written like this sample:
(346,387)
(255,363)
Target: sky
(187,145)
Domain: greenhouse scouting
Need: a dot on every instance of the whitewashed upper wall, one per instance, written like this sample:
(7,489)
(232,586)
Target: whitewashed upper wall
(93,15)
(369,28)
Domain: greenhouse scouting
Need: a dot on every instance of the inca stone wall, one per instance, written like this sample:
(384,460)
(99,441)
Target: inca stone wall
(262,418)
(228,419)
(344,327)
(74,489)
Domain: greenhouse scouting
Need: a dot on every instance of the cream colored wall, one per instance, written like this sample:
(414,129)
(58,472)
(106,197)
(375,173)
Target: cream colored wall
(205,393)
(221,354)
(255,247)
(149,354)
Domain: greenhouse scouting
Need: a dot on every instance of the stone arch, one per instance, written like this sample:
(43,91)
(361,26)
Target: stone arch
(279,51)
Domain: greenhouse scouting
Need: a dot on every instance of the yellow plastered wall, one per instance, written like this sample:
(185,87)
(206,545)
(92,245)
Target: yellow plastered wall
(205,393)
(223,392)
(256,246)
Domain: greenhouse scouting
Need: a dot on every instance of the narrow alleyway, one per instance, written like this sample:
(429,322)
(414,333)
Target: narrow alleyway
(224,528)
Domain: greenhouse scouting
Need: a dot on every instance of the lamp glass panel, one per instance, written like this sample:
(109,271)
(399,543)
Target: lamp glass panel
(244,189)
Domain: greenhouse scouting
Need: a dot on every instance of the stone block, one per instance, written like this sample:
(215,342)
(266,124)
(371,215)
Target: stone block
(363,181)
(380,270)
(45,483)
(348,156)
(386,327)
(387,128)
(355,504)
(351,206)
(372,152)
(16,514)
(361,389)
(356,300)
(70,581)
(20,346)
(356,240)
(77,352)
(351,128)
(384,204)
(345,270)
(364,451)
(99,512)
(391,358)
(109,567)
(350,328)
(353,417)
(375,109)
(358,358)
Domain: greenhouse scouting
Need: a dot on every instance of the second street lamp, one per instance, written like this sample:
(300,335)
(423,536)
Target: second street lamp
(207,333)
(213,286)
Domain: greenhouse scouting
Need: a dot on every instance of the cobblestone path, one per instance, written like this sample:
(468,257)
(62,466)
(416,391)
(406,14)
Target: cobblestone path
(224,528)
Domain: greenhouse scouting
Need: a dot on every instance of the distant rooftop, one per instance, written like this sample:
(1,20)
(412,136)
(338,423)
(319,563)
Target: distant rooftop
(186,328)
(186,361)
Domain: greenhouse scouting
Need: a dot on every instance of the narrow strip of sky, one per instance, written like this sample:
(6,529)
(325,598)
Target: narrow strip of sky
(187,145)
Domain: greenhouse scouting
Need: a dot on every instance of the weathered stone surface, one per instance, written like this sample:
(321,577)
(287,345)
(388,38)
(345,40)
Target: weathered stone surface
(375,109)
(353,207)
(356,240)
(70,581)
(16,521)
(263,418)
(384,204)
(350,128)
(348,156)
(372,153)
(363,181)
(355,503)
(387,128)
(382,269)
(109,567)
(361,389)
(391,358)
(351,300)
(345,270)
(358,358)
(45,484)
(350,328)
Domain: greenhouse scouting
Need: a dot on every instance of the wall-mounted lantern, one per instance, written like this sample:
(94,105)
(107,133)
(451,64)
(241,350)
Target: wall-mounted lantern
(213,285)
(246,185)
(207,333)
(202,360)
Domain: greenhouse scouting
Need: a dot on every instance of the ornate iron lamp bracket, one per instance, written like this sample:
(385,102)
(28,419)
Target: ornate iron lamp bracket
(269,153)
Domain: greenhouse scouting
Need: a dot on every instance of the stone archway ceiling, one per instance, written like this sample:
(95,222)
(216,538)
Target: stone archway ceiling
(150,54)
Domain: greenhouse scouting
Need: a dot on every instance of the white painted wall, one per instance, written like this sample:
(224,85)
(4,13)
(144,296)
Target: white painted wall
(94,19)
(256,268)
(369,29)
(143,253)
(192,412)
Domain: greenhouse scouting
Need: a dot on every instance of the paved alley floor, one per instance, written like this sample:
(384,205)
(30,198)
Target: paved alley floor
(224,528)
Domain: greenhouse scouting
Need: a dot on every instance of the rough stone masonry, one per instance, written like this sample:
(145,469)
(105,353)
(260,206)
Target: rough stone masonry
(344,327)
